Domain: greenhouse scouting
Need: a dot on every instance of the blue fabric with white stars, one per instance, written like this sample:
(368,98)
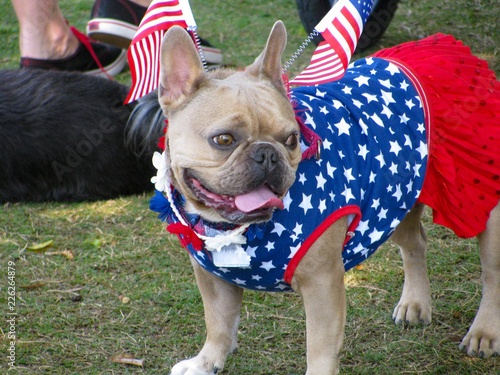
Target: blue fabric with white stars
(373,157)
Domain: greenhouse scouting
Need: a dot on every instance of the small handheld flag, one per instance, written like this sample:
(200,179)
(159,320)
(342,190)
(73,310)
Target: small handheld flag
(340,29)
(144,51)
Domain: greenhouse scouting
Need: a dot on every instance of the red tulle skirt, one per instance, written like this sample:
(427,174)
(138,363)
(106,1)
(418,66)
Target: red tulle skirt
(462,183)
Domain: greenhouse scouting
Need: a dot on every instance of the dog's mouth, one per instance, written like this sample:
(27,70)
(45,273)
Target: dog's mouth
(254,205)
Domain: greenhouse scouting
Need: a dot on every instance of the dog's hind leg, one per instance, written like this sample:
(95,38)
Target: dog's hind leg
(414,306)
(483,338)
(319,279)
(222,304)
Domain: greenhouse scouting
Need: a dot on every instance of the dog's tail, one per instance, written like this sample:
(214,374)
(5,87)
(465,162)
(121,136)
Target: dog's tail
(145,125)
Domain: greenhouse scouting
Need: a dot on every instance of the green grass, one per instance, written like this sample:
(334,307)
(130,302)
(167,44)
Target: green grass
(75,318)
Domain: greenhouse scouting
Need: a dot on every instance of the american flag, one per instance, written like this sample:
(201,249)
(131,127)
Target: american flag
(144,51)
(341,29)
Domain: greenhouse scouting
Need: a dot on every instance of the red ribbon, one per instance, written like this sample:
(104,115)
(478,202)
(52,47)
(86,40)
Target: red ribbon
(86,42)
(161,140)
(309,135)
(186,235)
(312,138)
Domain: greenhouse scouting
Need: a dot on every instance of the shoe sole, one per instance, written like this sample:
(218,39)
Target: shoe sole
(212,55)
(112,69)
(120,34)
(111,31)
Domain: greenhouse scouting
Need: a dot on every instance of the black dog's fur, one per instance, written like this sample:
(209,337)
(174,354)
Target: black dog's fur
(63,137)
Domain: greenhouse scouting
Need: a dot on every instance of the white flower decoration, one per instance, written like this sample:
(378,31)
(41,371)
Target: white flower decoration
(160,163)
(220,241)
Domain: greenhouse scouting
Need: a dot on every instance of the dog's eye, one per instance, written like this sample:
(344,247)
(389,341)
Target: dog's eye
(292,140)
(223,139)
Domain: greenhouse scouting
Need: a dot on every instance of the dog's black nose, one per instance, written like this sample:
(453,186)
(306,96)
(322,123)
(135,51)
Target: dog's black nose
(265,155)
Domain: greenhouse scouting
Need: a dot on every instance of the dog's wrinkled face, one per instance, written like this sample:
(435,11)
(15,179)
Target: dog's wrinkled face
(232,141)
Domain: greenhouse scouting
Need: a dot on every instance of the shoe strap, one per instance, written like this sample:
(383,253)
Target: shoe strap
(85,40)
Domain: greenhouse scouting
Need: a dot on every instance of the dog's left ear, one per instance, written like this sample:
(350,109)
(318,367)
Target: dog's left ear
(181,69)
(268,63)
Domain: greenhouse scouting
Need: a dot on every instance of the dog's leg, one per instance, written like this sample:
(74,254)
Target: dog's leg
(483,338)
(319,279)
(414,307)
(222,303)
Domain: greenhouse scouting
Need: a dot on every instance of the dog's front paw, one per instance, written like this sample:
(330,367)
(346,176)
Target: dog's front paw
(483,338)
(413,312)
(192,367)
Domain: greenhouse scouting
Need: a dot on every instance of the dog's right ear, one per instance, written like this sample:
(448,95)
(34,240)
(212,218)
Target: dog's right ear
(181,69)
(268,63)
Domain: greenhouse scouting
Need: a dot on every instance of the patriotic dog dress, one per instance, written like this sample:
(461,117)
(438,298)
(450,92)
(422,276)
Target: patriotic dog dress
(413,123)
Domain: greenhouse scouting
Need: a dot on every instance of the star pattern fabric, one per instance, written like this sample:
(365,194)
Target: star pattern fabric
(372,167)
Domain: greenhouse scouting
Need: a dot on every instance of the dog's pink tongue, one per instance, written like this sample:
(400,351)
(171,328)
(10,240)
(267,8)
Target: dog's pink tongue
(263,197)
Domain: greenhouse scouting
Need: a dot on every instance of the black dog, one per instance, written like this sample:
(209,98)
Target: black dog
(63,137)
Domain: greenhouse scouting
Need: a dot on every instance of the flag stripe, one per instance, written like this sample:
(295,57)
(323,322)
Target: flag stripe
(327,66)
(144,51)
(317,72)
(350,30)
(353,19)
(322,64)
(325,72)
(323,77)
(341,29)
(158,23)
(151,41)
(333,36)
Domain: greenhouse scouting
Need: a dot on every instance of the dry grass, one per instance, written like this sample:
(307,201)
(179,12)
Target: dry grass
(120,250)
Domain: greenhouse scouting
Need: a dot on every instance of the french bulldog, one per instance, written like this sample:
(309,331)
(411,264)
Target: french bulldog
(234,167)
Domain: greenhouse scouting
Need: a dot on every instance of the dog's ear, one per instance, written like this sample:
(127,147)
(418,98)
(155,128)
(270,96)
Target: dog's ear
(181,69)
(268,63)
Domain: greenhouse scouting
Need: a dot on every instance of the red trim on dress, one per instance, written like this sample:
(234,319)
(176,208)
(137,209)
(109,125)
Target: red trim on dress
(330,220)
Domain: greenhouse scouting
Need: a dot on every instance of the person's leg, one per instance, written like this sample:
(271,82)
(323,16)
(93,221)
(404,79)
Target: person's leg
(43,30)
(46,41)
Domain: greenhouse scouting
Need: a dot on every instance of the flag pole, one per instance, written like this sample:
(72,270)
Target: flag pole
(299,51)
(193,31)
